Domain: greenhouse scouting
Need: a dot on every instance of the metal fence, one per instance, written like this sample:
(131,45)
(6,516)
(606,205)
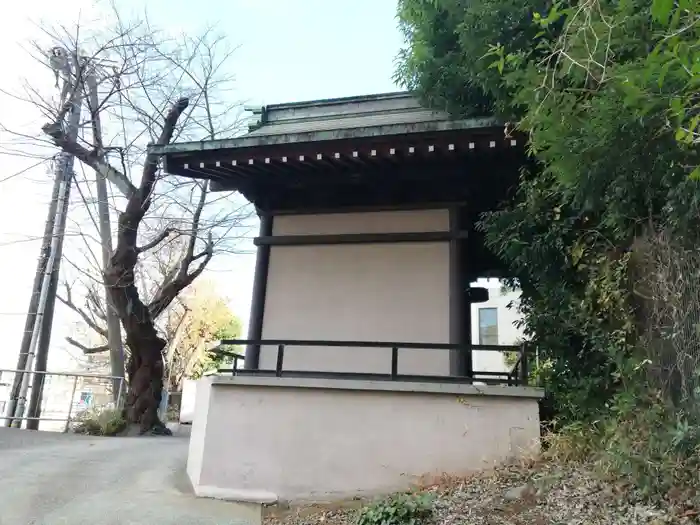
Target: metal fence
(65,395)
(515,375)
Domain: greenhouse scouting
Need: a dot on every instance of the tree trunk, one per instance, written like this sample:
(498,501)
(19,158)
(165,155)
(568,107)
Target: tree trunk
(145,376)
(145,369)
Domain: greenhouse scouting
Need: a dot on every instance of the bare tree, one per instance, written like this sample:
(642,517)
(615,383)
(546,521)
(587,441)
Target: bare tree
(145,87)
(191,321)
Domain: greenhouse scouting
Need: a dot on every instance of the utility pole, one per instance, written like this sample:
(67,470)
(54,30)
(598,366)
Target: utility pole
(43,316)
(88,80)
(42,352)
(33,309)
(77,73)
(114,336)
(65,167)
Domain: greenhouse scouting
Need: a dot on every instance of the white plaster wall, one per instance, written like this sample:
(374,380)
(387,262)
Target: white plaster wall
(404,221)
(367,292)
(322,443)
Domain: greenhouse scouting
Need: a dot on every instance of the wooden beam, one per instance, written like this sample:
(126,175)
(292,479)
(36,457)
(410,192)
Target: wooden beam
(357,238)
(257,307)
(460,358)
(363,209)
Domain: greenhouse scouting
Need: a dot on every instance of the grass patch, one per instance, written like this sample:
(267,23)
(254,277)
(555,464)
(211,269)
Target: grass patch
(99,422)
(401,509)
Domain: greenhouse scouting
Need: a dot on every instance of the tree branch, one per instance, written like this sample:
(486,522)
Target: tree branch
(68,301)
(94,304)
(155,242)
(86,349)
(182,280)
(181,276)
(91,158)
(140,201)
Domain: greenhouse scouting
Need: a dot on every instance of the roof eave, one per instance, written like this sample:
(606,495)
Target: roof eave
(253,141)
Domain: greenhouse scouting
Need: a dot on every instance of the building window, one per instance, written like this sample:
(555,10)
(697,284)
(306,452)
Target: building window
(488,326)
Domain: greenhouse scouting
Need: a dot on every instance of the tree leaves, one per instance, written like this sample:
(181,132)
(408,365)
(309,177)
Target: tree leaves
(608,93)
(661,11)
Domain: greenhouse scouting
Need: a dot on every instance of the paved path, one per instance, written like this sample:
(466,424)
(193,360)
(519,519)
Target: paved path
(61,479)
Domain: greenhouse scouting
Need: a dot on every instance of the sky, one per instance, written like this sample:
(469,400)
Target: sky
(290,50)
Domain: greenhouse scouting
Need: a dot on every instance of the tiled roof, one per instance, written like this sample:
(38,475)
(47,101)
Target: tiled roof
(341,114)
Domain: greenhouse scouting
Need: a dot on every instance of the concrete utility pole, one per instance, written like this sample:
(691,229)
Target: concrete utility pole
(114,336)
(42,317)
(51,282)
(87,84)
(34,300)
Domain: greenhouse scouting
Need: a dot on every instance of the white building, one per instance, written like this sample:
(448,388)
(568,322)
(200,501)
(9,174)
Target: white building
(494,323)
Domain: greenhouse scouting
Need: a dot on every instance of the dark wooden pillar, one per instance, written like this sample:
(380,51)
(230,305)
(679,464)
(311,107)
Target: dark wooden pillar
(460,307)
(257,306)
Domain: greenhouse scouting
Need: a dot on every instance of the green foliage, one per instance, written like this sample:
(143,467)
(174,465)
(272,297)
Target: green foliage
(403,509)
(445,42)
(231,330)
(99,422)
(583,85)
(652,445)
(645,442)
(608,95)
(675,62)
(204,318)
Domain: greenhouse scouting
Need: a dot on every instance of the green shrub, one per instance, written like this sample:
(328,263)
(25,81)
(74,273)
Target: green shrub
(654,445)
(643,440)
(99,422)
(403,509)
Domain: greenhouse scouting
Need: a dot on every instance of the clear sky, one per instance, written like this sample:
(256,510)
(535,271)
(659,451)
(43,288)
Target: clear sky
(290,50)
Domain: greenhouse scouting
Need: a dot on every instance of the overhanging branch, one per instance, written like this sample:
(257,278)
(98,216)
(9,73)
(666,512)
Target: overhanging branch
(89,157)
(87,350)
(155,242)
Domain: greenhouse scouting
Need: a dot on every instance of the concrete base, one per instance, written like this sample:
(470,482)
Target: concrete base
(262,440)
(255,498)
(248,511)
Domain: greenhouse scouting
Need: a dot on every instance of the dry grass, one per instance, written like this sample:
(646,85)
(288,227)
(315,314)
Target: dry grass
(99,422)
(532,493)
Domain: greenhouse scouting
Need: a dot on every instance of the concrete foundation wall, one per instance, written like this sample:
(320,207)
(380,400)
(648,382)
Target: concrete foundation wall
(267,439)
(367,292)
